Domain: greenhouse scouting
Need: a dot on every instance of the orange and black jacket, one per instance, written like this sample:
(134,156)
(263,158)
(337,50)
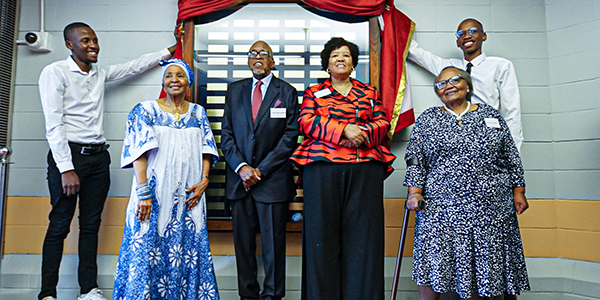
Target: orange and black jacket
(322,120)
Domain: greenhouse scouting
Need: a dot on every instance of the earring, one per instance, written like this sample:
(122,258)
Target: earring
(327,71)
(468,90)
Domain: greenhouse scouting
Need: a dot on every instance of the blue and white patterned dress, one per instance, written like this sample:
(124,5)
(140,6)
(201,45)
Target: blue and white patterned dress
(467,239)
(169,256)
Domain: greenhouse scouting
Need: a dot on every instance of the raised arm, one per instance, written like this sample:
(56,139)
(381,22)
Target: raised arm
(425,59)
(136,66)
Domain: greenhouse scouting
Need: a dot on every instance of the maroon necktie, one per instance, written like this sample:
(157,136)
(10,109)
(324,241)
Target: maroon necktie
(256,100)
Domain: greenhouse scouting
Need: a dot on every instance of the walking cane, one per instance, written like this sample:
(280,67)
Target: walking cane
(403,238)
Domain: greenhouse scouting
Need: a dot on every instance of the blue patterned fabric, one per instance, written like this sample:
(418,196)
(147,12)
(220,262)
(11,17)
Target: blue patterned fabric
(467,239)
(180,63)
(169,256)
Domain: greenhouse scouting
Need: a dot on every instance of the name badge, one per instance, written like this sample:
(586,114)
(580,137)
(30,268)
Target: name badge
(491,122)
(278,113)
(322,93)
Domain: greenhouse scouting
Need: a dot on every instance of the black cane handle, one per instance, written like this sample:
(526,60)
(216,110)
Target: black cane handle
(421,204)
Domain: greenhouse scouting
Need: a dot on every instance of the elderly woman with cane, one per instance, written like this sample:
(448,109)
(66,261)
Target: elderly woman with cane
(470,175)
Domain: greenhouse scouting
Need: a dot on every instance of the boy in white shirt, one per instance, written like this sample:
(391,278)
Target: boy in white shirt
(72,95)
(494,78)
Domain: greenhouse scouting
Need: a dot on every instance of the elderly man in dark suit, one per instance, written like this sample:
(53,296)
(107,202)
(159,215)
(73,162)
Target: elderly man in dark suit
(259,133)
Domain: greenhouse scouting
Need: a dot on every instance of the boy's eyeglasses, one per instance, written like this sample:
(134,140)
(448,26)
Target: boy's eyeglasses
(471,31)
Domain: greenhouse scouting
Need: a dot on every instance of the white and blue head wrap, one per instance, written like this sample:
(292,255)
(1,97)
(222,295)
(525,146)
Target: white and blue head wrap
(180,63)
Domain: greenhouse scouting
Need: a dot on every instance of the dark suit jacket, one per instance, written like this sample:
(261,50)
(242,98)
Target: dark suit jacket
(266,144)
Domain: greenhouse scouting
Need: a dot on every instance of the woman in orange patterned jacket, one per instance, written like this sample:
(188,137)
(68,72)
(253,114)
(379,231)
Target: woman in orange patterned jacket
(343,164)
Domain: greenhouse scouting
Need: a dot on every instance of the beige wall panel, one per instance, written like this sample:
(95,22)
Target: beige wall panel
(578,215)
(294,244)
(580,245)
(539,242)
(541,214)
(393,212)
(221,243)
(27,211)
(392,239)
(114,211)
(550,228)
(15,243)
(109,239)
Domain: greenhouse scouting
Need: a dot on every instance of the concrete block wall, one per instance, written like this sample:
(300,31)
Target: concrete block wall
(553,44)
(126,30)
(574,79)
(517,31)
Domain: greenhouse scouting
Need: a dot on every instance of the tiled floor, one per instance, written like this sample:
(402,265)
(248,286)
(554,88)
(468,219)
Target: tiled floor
(21,277)
(551,279)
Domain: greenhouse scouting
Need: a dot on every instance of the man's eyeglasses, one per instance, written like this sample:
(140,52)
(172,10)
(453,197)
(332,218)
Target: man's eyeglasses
(471,31)
(263,53)
(454,80)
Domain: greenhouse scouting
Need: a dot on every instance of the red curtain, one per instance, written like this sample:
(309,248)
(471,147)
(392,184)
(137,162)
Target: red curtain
(350,7)
(193,8)
(395,39)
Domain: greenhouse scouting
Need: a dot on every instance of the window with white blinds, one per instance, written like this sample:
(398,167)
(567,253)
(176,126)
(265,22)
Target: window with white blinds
(296,37)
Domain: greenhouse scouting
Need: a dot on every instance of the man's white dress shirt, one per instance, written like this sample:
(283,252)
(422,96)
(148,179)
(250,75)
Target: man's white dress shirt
(494,83)
(73,101)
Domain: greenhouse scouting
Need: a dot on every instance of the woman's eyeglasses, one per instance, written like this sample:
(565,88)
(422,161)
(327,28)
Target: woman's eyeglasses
(454,80)
(263,53)
(471,31)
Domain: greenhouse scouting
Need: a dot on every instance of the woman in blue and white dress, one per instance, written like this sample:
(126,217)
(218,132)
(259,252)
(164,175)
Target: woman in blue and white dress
(165,252)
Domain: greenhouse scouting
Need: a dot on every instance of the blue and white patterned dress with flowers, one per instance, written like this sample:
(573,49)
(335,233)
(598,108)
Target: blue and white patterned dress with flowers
(169,256)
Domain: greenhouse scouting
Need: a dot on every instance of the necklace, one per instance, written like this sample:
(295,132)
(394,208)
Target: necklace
(342,92)
(175,113)
(459,116)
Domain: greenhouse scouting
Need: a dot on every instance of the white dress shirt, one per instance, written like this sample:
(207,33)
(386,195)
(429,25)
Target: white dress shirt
(263,89)
(73,101)
(494,83)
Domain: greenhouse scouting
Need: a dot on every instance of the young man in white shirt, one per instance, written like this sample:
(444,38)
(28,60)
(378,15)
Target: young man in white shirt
(494,78)
(72,95)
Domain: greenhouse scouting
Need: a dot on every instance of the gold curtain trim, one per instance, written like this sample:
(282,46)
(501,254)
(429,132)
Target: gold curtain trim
(401,86)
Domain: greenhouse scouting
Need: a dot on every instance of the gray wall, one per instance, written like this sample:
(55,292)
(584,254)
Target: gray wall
(553,44)
(573,31)
(517,31)
(126,30)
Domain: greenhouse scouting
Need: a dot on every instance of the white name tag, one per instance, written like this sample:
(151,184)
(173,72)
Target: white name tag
(491,122)
(322,93)
(278,113)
